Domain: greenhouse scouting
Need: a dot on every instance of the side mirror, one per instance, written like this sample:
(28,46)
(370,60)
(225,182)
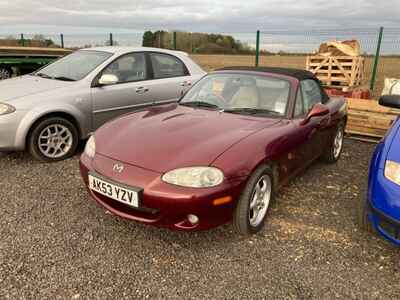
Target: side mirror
(392,101)
(318,110)
(108,79)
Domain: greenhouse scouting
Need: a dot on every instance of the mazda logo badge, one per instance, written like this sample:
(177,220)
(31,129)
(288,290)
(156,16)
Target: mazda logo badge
(118,168)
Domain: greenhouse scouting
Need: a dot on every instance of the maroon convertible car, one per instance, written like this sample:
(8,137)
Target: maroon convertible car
(218,155)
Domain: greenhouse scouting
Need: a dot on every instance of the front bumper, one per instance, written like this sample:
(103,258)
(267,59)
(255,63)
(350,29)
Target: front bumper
(163,204)
(384,204)
(386,226)
(9,128)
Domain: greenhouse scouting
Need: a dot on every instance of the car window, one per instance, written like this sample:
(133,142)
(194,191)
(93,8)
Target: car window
(229,91)
(311,93)
(128,68)
(299,107)
(165,66)
(75,66)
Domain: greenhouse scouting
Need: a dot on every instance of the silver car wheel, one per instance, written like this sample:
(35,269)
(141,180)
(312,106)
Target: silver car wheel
(55,141)
(338,142)
(260,200)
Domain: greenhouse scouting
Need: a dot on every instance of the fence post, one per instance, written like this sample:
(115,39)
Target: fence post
(22,40)
(62,40)
(111,39)
(191,42)
(174,40)
(376,60)
(257,47)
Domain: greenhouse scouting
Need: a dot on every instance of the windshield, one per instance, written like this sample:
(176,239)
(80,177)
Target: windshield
(74,66)
(240,93)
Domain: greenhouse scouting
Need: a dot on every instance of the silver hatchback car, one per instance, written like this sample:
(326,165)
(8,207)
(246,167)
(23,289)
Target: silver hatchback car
(49,111)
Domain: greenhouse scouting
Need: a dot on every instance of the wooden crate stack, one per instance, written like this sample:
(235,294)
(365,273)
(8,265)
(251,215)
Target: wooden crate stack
(337,71)
(366,118)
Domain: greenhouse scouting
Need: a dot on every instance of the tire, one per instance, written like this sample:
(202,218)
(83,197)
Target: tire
(58,139)
(5,73)
(332,153)
(245,221)
(363,219)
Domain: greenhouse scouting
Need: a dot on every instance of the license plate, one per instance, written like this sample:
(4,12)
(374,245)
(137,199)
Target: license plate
(114,191)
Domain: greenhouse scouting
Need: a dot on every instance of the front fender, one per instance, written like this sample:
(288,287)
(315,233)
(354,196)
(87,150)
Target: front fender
(376,179)
(266,145)
(35,114)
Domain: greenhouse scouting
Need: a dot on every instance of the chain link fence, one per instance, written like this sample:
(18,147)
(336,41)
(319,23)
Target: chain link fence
(278,48)
(290,48)
(82,40)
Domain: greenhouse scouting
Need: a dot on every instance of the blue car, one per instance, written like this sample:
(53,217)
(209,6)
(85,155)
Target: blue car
(381,211)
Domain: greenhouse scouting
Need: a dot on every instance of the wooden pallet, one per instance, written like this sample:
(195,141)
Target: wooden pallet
(337,71)
(368,119)
(361,137)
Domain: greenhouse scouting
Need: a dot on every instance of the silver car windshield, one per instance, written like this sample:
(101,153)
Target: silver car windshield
(74,66)
(240,93)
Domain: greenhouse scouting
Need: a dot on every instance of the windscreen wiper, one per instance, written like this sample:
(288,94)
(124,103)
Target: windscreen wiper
(250,111)
(199,104)
(63,78)
(44,75)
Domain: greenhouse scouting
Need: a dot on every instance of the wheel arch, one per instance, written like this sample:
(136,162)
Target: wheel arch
(61,114)
(274,167)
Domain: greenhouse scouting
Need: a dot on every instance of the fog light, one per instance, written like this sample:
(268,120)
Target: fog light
(193,219)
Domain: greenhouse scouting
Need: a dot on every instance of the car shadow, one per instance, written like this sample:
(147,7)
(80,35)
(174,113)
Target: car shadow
(25,157)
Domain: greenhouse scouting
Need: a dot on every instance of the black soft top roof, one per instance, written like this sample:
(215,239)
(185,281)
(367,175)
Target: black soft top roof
(296,73)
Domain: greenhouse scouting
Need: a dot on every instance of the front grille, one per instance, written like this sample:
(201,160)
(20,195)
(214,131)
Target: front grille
(389,228)
(387,224)
(140,212)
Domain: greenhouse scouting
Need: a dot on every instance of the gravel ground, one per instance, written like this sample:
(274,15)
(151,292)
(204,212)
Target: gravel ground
(55,243)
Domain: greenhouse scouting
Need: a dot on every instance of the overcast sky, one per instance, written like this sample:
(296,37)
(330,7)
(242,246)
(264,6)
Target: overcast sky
(49,16)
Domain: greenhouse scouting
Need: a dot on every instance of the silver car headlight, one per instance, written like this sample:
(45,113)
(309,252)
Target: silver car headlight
(6,109)
(90,148)
(392,171)
(197,177)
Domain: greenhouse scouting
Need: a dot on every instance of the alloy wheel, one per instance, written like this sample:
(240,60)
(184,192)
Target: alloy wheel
(55,141)
(338,142)
(260,200)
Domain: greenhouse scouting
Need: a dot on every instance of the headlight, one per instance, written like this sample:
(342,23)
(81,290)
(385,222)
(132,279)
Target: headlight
(90,148)
(392,171)
(197,177)
(6,109)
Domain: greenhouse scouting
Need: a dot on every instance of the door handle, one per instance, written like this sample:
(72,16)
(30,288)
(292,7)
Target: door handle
(186,83)
(141,90)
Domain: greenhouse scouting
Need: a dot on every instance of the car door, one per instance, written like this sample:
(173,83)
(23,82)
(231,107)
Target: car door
(170,77)
(300,152)
(312,133)
(132,90)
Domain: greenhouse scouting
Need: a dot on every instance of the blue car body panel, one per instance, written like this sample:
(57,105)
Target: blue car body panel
(383,194)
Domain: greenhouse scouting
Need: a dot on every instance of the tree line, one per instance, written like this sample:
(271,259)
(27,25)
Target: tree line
(201,43)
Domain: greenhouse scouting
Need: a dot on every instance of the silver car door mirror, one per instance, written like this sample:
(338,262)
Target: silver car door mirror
(108,79)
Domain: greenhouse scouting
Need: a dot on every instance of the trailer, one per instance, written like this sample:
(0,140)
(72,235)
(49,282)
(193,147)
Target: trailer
(22,60)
